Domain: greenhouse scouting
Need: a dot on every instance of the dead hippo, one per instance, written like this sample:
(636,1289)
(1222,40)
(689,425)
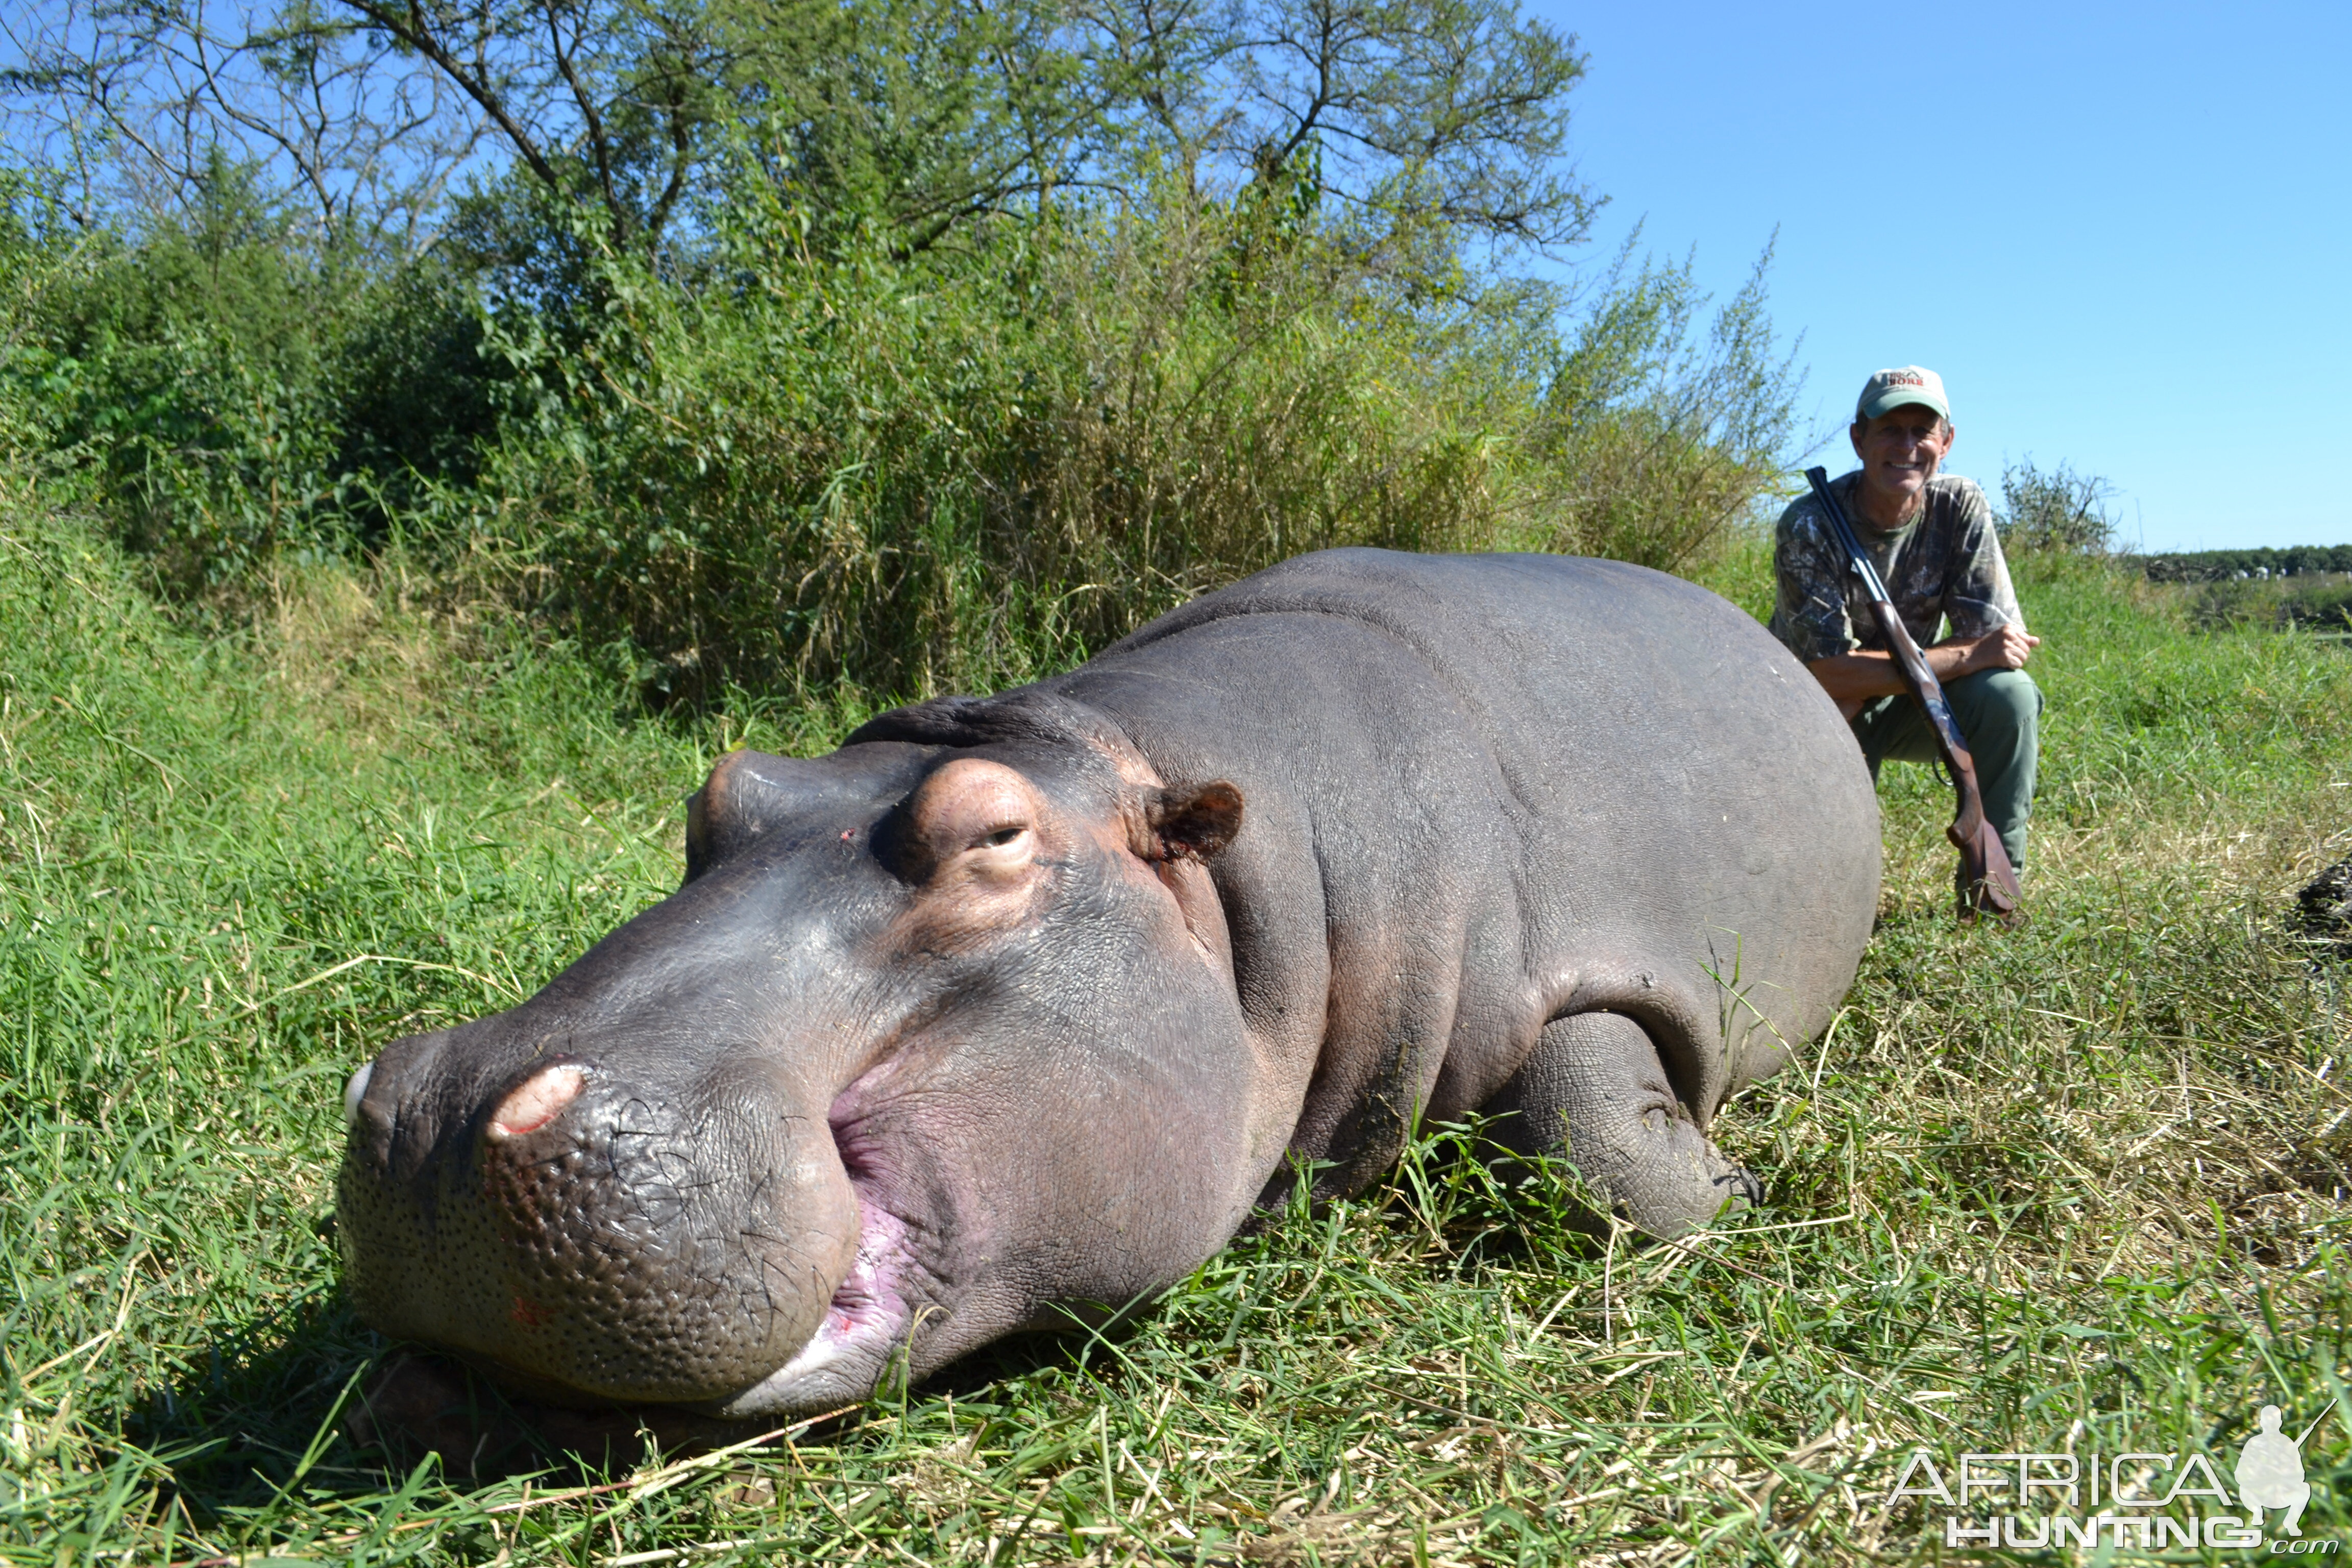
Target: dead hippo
(1028,1000)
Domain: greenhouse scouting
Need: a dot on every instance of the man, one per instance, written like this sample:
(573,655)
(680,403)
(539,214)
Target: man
(1932,539)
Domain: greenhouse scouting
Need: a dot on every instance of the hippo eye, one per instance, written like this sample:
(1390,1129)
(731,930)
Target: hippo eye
(1003,835)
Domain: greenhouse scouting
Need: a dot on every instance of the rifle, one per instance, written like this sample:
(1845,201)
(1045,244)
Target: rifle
(1987,879)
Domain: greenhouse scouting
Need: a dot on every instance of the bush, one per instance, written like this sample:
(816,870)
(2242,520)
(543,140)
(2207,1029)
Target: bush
(184,365)
(415,399)
(798,456)
(803,467)
(1658,446)
(2060,512)
(240,388)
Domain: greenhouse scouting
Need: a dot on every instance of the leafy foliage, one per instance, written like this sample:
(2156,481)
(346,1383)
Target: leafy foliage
(2060,512)
(837,466)
(940,114)
(808,458)
(906,343)
(239,392)
(187,368)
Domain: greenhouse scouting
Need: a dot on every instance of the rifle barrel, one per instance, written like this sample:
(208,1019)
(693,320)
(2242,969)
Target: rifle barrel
(1856,557)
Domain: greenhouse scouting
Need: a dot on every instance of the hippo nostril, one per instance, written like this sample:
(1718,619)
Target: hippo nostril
(537,1102)
(354,1091)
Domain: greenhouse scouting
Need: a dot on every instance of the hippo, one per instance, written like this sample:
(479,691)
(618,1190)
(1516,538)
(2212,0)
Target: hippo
(1020,1005)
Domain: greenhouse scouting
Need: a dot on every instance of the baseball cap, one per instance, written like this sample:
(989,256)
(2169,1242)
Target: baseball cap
(1905,383)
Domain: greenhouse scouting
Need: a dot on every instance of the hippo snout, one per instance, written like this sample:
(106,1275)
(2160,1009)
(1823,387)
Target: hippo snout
(588,1237)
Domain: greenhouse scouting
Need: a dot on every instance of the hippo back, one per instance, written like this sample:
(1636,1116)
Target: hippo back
(1525,786)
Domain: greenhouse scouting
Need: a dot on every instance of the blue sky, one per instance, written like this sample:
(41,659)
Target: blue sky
(2123,234)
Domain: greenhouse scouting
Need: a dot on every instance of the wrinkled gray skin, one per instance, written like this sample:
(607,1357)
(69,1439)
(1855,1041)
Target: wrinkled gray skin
(1020,1000)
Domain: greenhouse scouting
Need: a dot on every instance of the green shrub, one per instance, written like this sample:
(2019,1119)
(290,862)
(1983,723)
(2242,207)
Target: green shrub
(2061,511)
(798,456)
(239,388)
(903,345)
(185,366)
(1655,444)
(415,400)
(803,467)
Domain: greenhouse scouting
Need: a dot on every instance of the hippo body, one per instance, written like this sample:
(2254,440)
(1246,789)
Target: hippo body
(1025,1001)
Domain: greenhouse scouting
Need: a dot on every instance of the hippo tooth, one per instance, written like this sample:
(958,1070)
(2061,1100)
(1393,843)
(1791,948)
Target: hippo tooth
(354,1091)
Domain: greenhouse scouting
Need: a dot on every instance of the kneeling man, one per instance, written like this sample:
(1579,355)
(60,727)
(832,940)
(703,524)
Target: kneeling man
(1932,539)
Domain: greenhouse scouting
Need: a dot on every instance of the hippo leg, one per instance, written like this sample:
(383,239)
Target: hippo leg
(1595,1092)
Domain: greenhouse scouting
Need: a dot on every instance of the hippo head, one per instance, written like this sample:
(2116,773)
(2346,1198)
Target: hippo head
(934,1039)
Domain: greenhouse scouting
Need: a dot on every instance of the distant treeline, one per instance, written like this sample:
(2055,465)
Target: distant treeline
(2222,566)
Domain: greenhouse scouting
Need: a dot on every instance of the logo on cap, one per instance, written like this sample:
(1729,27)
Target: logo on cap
(1893,388)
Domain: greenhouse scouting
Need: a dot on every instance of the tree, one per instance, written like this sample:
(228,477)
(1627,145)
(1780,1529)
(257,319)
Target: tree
(1449,110)
(2058,511)
(937,114)
(140,101)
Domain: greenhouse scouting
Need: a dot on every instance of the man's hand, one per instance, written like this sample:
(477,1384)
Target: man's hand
(1852,680)
(2003,648)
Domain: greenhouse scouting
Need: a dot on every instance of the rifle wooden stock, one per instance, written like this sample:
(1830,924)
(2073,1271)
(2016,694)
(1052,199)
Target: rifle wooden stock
(1988,881)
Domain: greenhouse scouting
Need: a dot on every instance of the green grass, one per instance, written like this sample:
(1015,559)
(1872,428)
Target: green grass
(2075,1188)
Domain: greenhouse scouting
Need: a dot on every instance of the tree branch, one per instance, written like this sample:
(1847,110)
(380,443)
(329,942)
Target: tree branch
(414,31)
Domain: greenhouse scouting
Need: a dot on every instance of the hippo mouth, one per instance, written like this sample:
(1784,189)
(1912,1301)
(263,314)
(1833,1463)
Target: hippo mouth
(867,1322)
(586,1240)
(869,1319)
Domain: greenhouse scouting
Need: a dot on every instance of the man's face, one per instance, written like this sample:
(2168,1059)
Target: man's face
(1899,451)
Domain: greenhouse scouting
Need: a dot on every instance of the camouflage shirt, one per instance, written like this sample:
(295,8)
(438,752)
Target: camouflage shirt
(1946,562)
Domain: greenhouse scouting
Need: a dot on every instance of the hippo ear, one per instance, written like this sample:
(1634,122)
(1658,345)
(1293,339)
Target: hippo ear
(1193,823)
(747,794)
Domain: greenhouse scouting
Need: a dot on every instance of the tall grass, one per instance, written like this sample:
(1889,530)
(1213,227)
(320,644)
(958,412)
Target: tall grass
(2076,1188)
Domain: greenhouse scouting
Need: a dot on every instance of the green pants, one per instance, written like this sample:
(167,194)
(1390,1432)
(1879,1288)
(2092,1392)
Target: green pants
(2000,713)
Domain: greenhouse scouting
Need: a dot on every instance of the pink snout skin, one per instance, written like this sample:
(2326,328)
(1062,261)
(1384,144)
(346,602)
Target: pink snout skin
(537,1102)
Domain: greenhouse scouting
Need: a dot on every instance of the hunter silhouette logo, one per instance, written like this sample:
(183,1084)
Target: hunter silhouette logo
(2270,1473)
(2138,1500)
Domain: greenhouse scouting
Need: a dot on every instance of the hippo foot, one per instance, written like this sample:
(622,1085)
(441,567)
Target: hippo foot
(416,1405)
(1595,1092)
